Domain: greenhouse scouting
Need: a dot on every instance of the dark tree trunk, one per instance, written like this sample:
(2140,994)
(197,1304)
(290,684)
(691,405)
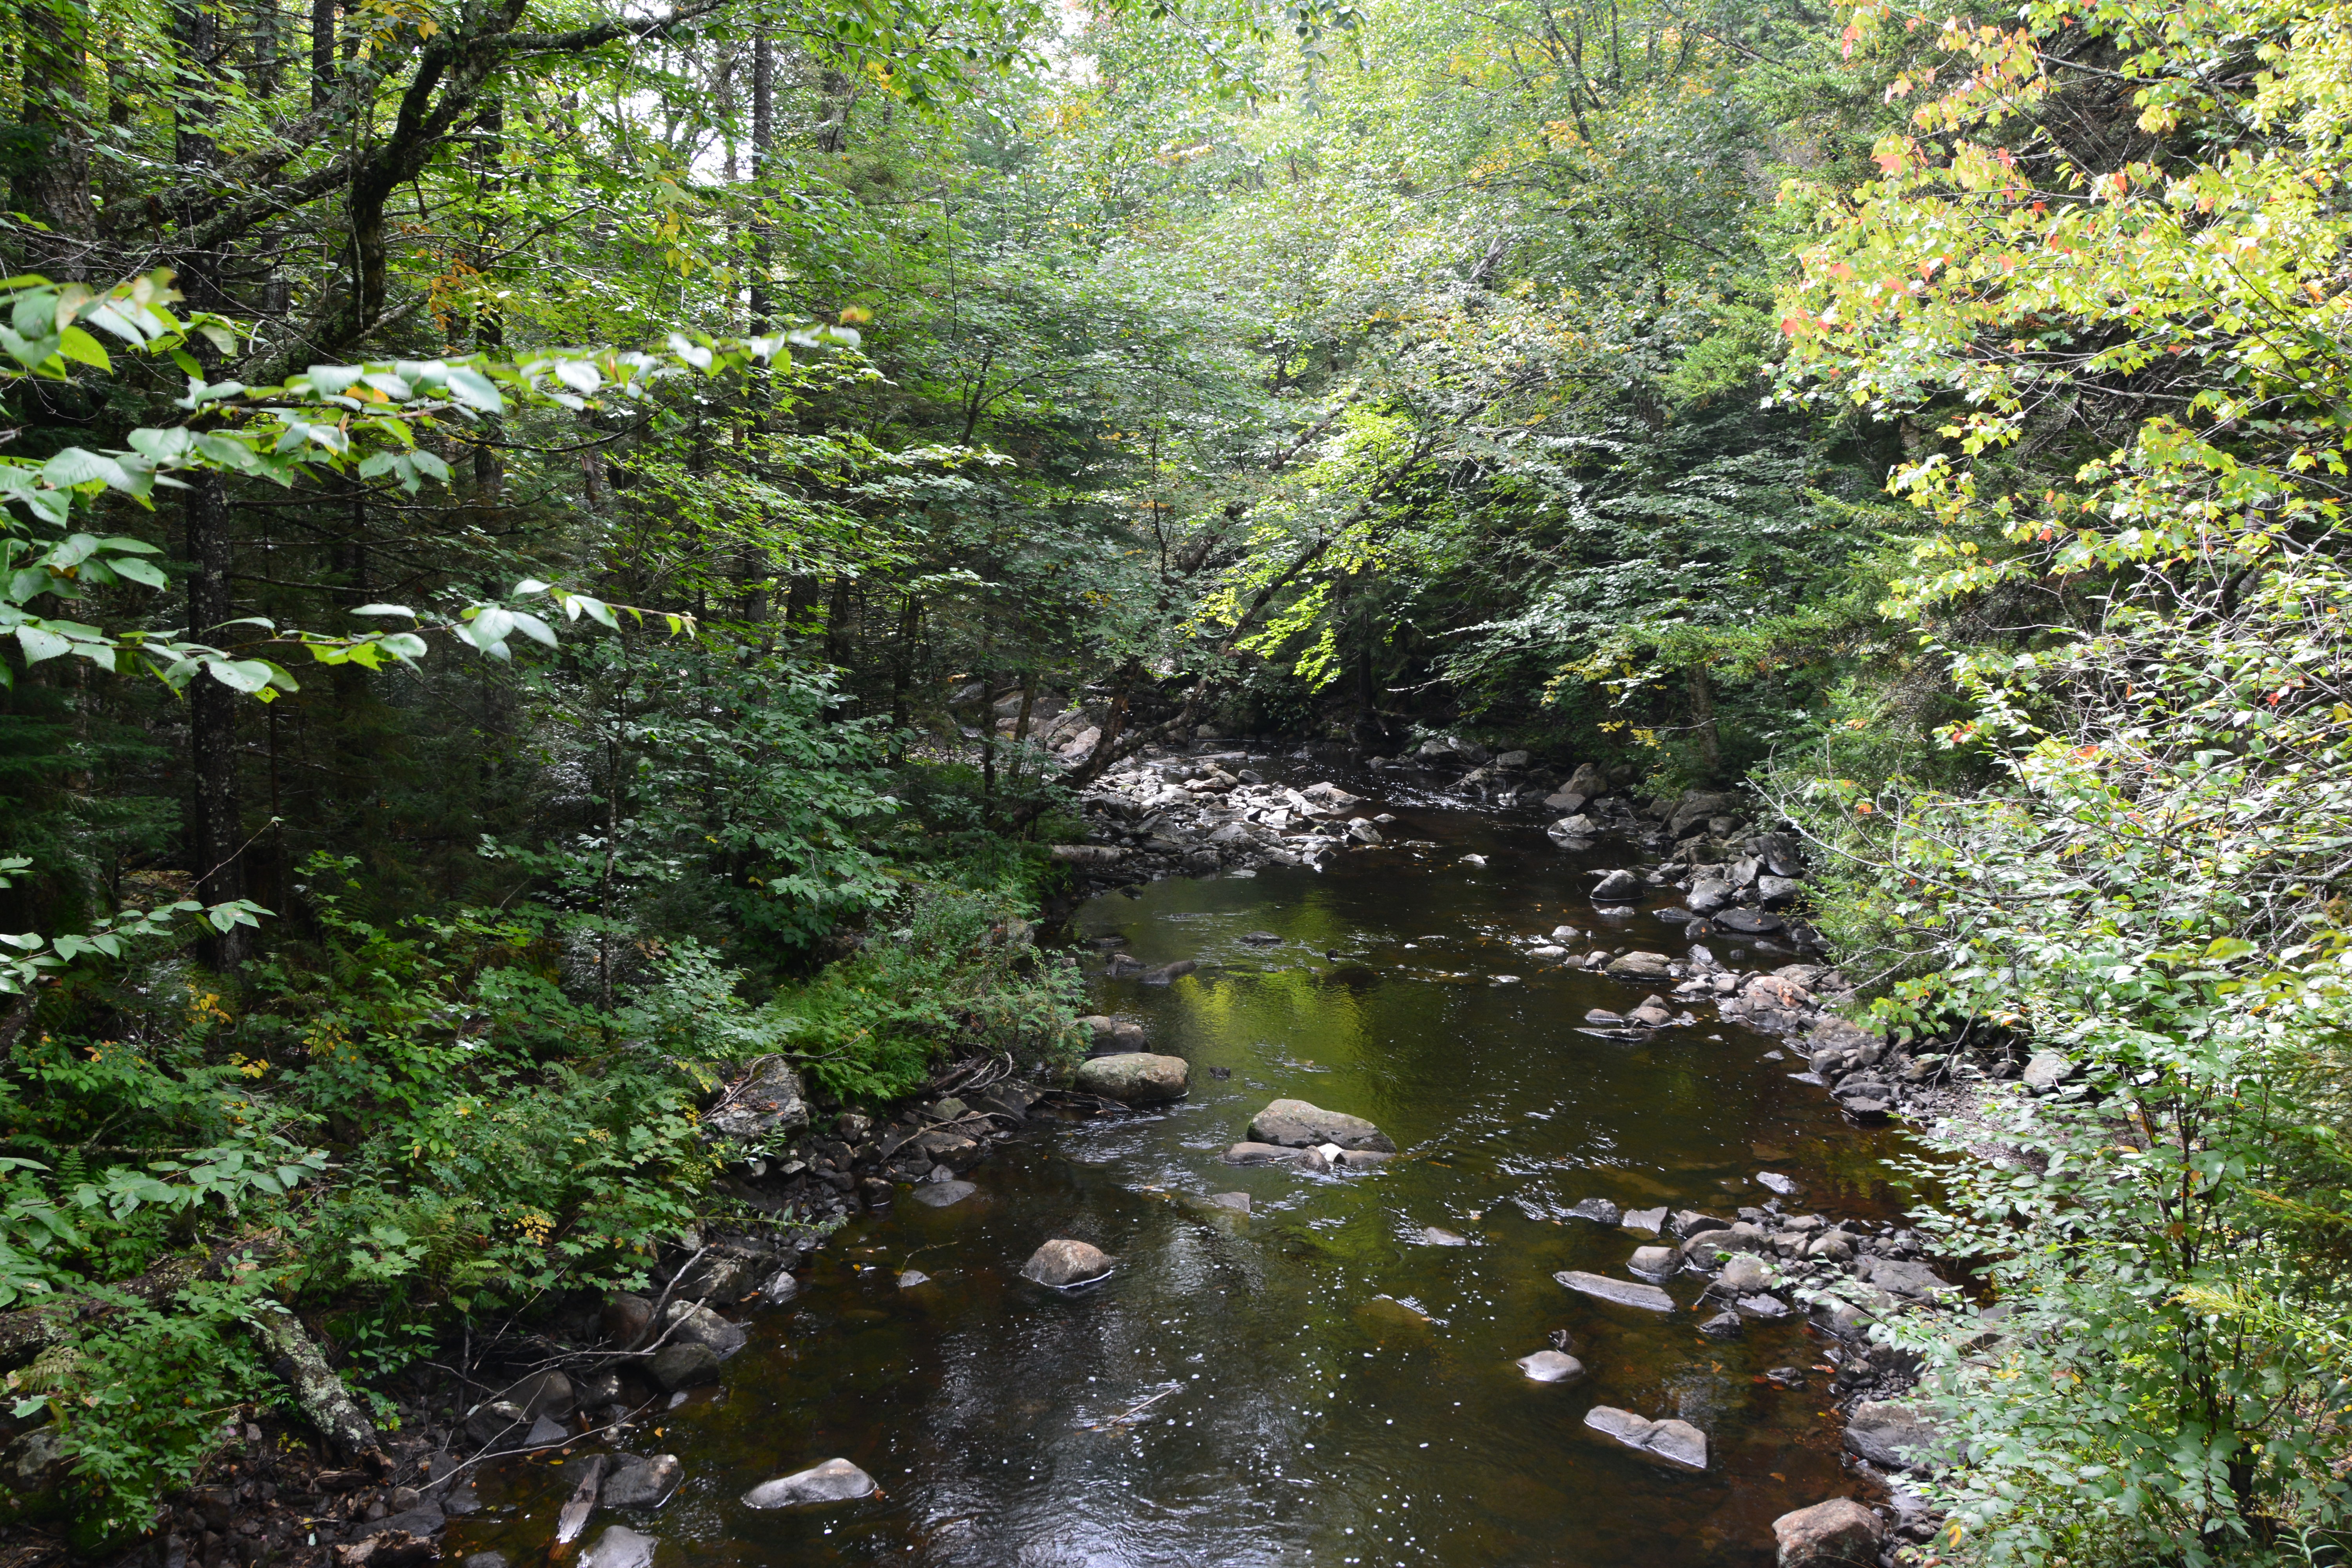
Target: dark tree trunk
(763,141)
(322,52)
(215,830)
(268,49)
(490,321)
(1702,700)
(53,180)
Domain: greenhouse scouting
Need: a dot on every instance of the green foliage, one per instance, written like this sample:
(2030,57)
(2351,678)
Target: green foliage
(2143,614)
(950,973)
(155,1396)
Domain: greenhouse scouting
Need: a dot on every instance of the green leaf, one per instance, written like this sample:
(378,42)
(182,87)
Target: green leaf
(40,645)
(474,390)
(82,348)
(75,467)
(245,675)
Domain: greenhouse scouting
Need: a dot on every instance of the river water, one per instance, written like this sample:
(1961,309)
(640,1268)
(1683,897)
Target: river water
(1325,1384)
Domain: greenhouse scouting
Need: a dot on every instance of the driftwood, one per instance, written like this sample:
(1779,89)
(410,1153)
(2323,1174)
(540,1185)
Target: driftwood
(575,1517)
(320,1394)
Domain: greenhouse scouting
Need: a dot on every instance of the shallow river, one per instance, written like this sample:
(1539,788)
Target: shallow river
(1324,1385)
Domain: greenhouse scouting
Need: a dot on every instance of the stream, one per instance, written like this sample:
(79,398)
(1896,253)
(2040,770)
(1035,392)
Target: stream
(1321,1380)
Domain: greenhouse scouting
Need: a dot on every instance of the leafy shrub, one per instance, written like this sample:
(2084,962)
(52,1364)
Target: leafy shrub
(950,971)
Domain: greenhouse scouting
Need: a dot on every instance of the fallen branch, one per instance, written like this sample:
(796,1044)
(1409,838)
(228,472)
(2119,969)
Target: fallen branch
(317,1390)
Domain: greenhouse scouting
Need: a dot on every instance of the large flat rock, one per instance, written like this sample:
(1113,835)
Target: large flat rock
(1621,1292)
(1295,1124)
(1676,1442)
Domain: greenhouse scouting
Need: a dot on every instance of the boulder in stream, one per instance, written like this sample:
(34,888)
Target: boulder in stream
(1618,887)
(1136,1078)
(1891,1435)
(1295,1124)
(1743,1275)
(684,1363)
(692,1323)
(836,1480)
(1638,966)
(642,1483)
(1551,1367)
(1654,1262)
(1840,1530)
(620,1547)
(1062,1264)
(1676,1442)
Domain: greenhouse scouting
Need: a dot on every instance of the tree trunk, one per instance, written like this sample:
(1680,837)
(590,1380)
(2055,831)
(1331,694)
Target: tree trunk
(902,671)
(216,834)
(52,182)
(1021,725)
(490,321)
(1702,701)
(763,141)
(322,52)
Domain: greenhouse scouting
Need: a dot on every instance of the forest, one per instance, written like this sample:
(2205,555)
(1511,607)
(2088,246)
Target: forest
(554,551)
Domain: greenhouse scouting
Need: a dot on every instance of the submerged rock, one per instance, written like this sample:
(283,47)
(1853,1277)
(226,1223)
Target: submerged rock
(1136,1078)
(1621,1292)
(1239,1203)
(1252,1153)
(943,1194)
(1296,1124)
(836,1480)
(1062,1263)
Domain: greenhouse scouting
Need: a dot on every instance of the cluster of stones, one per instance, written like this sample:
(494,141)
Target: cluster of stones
(1162,817)
(1767,1263)
(782,1164)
